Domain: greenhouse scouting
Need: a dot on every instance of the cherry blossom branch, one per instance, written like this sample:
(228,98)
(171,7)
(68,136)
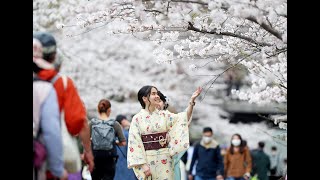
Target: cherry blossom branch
(274,137)
(168,6)
(192,28)
(195,2)
(88,30)
(277,52)
(266,27)
(154,11)
(251,18)
(218,75)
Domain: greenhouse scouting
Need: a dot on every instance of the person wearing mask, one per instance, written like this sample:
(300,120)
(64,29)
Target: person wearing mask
(208,155)
(237,160)
(275,164)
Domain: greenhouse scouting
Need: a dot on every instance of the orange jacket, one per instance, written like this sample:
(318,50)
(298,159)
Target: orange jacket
(237,164)
(69,100)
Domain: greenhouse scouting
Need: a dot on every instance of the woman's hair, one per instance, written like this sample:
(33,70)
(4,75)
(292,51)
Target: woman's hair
(241,144)
(103,106)
(145,91)
(35,68)
(163,98)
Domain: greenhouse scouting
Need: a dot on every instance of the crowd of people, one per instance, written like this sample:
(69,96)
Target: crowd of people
(154,144)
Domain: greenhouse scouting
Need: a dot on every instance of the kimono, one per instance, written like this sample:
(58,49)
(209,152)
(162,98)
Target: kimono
(160,161)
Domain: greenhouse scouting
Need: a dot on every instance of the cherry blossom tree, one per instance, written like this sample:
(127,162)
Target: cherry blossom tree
(249,33)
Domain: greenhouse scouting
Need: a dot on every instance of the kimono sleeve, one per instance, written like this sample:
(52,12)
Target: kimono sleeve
(178,131)
(136,152)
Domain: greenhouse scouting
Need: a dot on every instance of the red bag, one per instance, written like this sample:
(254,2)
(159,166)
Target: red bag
(70,102)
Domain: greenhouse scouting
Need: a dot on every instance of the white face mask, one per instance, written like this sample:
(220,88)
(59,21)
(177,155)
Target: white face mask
(236,142)
(206,139)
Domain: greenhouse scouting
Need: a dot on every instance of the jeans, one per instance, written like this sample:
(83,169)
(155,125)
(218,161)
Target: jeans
(233,178)
(201,178)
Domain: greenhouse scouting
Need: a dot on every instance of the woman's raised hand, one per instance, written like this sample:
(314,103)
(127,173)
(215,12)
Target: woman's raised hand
(196,94)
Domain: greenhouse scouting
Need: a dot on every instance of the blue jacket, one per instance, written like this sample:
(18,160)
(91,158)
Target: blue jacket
(122,171)
(210,162)
(50,124)
(46,116)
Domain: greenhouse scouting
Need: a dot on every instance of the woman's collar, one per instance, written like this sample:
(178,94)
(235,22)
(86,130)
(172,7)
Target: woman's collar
(148,112)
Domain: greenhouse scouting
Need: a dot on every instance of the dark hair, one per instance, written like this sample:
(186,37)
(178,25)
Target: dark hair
(103,105)
(241,144)
(207,129)
(36,68)
(244,142)
(274,148)
(145,91)
(120,117)
(163,98)
(261,144)
(49,57)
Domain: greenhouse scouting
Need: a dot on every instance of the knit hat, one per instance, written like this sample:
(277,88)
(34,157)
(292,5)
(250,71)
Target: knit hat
(48,42)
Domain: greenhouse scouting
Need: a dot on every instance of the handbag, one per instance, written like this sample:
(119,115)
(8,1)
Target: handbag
(71,153)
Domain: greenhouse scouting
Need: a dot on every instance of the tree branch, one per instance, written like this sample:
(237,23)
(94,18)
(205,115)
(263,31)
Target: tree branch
(278,52)
(153,10)
(192,28)
(196,2)
(275,137)
(218,75)
(266,27)
(168,6)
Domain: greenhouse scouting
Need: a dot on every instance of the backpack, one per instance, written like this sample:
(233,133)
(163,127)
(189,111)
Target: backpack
(73,107)
(102,134)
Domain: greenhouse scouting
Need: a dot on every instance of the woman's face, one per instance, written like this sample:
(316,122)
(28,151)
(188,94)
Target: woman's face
(235,140)
(154,98)
(235,137)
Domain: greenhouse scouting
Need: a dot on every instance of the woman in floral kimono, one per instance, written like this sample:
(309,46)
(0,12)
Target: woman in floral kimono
(150,150)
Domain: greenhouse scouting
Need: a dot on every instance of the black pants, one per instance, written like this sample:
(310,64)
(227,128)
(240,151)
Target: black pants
(274,177)
(104,165)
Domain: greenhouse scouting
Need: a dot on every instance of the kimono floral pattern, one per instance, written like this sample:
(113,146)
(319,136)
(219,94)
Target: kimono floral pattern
(160,161)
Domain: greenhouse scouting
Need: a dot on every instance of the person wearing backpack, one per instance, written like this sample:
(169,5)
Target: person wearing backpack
(103,138)
(47,142)
(70,103)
